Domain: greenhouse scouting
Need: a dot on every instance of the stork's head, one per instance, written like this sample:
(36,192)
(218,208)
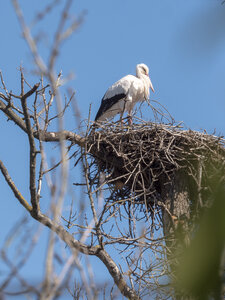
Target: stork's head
(142,71)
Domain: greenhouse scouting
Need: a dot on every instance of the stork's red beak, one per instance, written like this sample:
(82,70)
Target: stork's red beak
(151,86)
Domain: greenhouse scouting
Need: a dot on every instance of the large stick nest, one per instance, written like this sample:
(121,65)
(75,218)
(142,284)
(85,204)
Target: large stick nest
(137,161)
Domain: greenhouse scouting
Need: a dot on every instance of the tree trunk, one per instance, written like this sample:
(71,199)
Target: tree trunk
(175,196)
(175,216)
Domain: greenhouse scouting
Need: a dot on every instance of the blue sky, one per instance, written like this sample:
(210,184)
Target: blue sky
(182,42)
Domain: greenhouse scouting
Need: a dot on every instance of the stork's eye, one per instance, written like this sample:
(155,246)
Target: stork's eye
(145,71)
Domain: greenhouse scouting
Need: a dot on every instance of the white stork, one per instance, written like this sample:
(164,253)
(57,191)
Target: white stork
(123,95)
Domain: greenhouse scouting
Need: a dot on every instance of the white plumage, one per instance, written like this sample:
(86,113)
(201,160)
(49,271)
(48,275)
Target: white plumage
(125,93)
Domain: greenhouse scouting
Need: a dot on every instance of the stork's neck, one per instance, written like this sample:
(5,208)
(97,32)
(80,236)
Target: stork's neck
(143,77)
(139,74)
(146,83)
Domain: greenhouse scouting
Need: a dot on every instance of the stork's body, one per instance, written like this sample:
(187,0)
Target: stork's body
(125,93)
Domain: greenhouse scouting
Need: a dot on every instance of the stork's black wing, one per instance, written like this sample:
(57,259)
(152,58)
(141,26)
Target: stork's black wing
(107,103)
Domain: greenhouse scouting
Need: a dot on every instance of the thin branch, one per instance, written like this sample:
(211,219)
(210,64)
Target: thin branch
(12,116)
(42,14)
(14,188)
(29,39)
(42,135)
(57,38)
(33,151)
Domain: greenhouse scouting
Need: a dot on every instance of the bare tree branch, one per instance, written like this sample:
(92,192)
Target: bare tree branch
(14,188)
(42,135)
(28,37)
(33,151)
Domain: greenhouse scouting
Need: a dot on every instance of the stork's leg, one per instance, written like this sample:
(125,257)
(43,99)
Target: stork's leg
(130,121)
(121,119)
(122,112)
